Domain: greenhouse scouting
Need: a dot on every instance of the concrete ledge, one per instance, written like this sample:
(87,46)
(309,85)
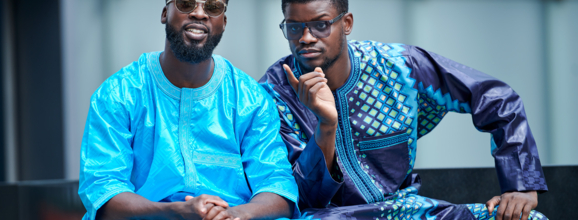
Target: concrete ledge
(58,199)
(478,185)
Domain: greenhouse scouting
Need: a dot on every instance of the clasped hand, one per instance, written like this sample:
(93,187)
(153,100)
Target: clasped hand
(206,207)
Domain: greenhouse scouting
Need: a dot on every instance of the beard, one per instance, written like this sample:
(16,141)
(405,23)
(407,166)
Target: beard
(194,53)
(327,61)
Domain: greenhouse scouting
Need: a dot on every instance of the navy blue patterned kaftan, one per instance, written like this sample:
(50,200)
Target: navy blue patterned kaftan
(394,95)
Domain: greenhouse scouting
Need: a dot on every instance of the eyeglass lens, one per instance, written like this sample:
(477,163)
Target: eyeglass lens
(211,7)
(294,31)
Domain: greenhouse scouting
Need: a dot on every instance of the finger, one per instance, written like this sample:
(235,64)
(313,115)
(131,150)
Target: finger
(509,212)
(187,198)
(206,208)
(291,77)
(318,69)
(517,213)
(492,203)
(313,91)
(302,87)
(213,212)
(222,216)
(306,89)
(526,212)
(215,200)
(502,208)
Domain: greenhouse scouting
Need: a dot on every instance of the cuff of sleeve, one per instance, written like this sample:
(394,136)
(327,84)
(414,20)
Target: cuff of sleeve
(283,193)
(520,174)
(91,213)
(316,186)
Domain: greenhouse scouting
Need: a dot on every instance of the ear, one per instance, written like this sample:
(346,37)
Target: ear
(348,23)
(225,23)
(164,16)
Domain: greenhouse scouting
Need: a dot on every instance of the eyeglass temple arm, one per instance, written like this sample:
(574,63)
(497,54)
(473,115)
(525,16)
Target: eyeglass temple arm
(337,18)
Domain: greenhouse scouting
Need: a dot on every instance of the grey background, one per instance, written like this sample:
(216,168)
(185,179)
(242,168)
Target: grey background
(529,44)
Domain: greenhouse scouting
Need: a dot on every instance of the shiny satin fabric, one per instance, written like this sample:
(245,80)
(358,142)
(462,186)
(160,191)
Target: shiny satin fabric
(146,136)
(407,204)
(396,94)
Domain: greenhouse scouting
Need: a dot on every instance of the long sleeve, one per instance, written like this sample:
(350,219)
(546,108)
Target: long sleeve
(444,85)
(315,182)
(264,155)
(106,154)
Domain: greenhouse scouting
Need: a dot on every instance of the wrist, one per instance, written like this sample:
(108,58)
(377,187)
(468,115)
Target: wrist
(173,210)
(327,125)
(327,122)
(240,213)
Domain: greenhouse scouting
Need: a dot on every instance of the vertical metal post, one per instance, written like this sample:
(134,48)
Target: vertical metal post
(8,94)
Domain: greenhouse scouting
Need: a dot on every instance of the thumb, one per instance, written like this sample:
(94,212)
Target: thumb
(187,198)
(319,70)
(294,82)
(493,203)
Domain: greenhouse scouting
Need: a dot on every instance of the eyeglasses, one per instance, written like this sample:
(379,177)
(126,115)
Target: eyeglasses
(319,29)
(212,8)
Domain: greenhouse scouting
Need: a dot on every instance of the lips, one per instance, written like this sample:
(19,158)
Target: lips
(310,53)
(196,32)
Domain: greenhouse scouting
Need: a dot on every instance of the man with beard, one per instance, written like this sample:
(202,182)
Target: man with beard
(351,114)
(183,134)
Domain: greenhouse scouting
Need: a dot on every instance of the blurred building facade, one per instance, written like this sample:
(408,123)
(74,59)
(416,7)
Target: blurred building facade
(529,44)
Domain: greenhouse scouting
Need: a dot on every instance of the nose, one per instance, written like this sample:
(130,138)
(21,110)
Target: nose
(307,37)
(199,13)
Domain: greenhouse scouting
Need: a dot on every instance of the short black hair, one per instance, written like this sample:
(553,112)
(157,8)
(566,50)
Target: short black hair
(342,6)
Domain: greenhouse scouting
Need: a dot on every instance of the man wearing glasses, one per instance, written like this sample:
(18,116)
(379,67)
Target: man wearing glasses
(351,114)
(183,134)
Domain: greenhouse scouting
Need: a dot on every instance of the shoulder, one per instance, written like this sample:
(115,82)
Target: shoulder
(275,74)
(129,81)
(375,48)
(248,91)
(387,55)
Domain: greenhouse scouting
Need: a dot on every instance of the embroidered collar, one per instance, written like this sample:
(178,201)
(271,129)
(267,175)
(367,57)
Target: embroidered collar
(173,91)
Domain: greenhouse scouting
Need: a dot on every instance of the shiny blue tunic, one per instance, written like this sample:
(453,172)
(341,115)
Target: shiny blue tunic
(146,136)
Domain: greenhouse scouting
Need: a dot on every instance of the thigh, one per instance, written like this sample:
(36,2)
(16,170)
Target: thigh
(406,207)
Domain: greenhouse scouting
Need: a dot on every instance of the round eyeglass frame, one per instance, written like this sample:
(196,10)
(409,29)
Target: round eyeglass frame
(196,4)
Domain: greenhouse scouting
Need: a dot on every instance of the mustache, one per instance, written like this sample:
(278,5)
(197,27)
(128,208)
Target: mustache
(196,22)
(300,48)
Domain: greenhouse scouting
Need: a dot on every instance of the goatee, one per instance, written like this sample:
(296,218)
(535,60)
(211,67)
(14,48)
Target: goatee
(327,61)
(194,53)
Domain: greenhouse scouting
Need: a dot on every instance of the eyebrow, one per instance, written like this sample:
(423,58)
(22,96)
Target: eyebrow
(314,19)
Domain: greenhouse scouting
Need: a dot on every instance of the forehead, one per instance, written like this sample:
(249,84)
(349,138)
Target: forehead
(310,11)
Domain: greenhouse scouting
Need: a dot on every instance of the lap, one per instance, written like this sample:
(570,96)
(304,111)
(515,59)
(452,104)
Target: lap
(408,206)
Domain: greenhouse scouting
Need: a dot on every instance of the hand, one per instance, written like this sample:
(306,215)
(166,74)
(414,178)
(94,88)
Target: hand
(199,207)
(220,213)
(313,92)
(215,212)
(513,204)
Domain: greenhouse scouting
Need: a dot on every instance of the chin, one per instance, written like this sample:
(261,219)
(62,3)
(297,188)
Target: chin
(308,64)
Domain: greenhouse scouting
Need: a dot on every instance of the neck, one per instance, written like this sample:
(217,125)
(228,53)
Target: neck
(183,74)
(338,73)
